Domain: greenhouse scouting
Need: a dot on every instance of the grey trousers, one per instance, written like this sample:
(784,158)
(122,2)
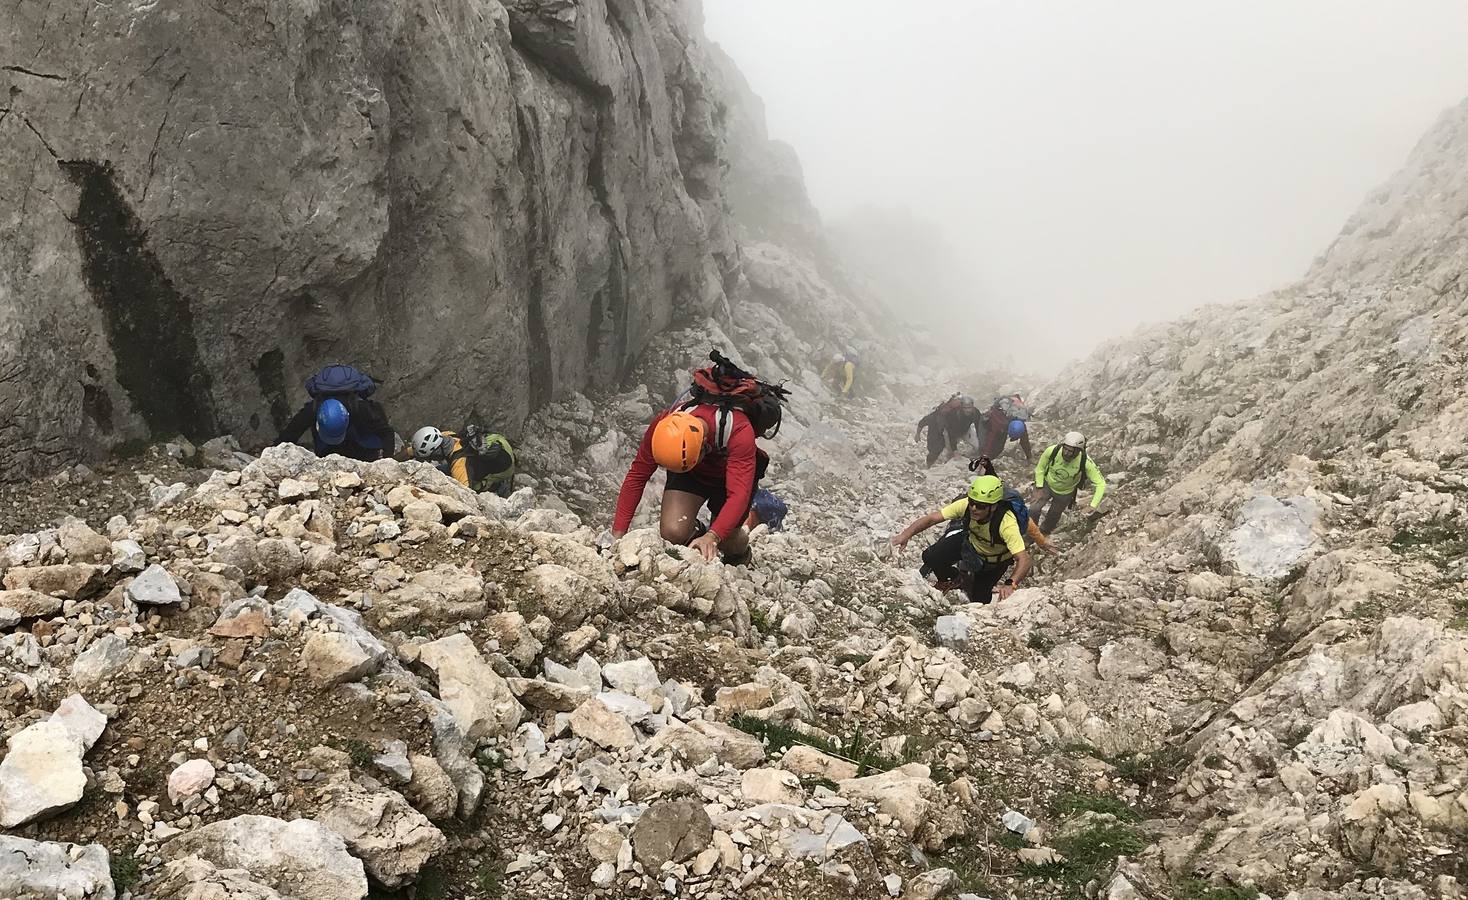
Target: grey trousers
(1057,503)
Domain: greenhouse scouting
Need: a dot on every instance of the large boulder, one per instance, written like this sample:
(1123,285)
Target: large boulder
(392,839)
(81,543)
(73,580)
(39,870)
(192,878)
(481,701)
(332,658)
(671,831)
(42,771)
(154,587)
(568,597)
(910,797)
(302,859)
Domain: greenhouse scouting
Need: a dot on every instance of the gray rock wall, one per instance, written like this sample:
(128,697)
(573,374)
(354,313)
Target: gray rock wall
(484,204)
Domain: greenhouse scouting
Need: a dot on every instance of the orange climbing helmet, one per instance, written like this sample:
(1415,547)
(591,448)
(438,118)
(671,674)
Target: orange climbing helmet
(677,441)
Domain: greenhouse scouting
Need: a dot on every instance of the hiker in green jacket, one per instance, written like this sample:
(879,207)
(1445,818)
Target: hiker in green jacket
(1058,477)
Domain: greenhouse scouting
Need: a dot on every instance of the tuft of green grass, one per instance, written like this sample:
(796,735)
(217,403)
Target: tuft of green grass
(1198,889)
(1442,541)
(859,749)
(972,861)
(1010,841)
(758,620)
(1089,854)
(126,869)
(1039,641)
(360,753)
(1146,769)
(1069,804)
(489,880)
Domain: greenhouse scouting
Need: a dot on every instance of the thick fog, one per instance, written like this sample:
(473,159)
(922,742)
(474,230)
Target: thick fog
(1068,170)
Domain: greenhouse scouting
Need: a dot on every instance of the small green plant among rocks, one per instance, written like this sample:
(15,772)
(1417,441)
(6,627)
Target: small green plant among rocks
(126,870)
(360,753)
(859,749)
(1070,804)
(1089,853)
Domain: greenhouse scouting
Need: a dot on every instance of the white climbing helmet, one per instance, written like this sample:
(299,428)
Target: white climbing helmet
(1074,439)
(427,441)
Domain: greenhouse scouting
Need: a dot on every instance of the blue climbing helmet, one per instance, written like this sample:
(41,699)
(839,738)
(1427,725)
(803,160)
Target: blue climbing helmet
(1016,428)
(332,419)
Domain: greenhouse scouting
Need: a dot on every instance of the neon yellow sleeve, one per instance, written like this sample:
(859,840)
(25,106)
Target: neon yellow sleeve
(1097,482)
(956,509)
(1040,468)
(850,376)
(1009,533)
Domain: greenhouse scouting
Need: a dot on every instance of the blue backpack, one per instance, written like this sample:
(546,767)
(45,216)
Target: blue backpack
(340,380)
(770,509)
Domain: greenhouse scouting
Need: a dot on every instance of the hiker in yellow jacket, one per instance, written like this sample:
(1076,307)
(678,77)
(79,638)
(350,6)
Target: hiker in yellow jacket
(1058,478)
(840,373)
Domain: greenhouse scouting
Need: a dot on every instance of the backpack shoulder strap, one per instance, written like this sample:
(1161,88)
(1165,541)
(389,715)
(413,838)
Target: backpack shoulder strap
(1050,457)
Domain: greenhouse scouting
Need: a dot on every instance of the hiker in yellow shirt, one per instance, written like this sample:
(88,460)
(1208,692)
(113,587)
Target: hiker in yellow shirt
(840,373)
(994,539)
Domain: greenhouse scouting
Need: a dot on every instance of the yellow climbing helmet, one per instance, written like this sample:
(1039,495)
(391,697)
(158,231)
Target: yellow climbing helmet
(986,489)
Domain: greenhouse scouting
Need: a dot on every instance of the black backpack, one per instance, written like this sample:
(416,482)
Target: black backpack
(487,455)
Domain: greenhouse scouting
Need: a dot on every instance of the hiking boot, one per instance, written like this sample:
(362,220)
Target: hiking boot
(740,560)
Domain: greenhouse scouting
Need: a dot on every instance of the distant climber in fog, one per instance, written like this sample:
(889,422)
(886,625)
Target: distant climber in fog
(1058,477)
(1003,422)
(340,417)
(949,421)
(840,373)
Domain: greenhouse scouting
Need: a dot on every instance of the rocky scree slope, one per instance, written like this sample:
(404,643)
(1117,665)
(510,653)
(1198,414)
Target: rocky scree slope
(471,200)
(1295,467)
(295,677)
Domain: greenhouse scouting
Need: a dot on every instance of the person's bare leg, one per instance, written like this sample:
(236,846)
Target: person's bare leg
(679,516)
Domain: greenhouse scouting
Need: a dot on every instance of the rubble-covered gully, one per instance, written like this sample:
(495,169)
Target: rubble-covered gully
(297,678)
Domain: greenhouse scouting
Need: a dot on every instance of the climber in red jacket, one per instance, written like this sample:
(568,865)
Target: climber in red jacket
(1002,423)
(708,448)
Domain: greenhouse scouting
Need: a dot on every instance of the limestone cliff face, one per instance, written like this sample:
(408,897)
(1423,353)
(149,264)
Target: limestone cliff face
(484,204)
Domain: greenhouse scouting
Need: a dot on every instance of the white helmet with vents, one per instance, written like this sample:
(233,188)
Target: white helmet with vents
(427,442)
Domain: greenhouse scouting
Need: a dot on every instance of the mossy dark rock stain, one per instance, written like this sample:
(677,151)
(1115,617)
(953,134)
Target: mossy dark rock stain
(150,326)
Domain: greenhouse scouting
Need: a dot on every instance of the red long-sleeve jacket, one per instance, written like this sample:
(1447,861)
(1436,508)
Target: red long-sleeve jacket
(734,470)
(996,434)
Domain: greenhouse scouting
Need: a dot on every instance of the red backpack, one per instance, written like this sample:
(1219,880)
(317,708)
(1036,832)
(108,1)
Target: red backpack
(726,387)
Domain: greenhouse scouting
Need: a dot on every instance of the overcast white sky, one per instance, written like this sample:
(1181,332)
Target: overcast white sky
(1101,164)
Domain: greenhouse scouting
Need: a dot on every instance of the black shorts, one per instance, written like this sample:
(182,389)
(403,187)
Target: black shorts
(714,495)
